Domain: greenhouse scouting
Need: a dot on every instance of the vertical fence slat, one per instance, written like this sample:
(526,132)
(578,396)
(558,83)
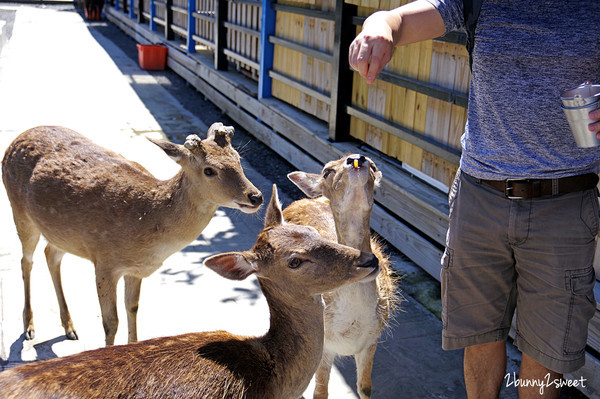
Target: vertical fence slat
(140,17)
(169,34)
(191,26)
(267,49)
(220,34)
(341,91)
(152,15)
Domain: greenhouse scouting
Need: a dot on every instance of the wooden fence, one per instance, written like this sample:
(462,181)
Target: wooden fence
(281,71)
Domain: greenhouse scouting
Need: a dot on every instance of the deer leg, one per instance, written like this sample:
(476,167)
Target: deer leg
(29,236)
(106,284)
(53,258)
(133,286)
(364,365)
(322,376)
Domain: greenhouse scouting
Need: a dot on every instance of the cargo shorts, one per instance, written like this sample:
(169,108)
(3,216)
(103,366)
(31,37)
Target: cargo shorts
(532,255)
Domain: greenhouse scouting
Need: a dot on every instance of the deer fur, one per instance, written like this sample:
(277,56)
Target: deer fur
(356,314)
(293,265)
(92,202)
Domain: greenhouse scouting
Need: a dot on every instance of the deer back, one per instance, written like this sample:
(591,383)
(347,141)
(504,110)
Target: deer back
(92,202)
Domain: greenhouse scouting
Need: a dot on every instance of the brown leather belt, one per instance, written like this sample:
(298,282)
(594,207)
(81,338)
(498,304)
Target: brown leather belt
(534,188)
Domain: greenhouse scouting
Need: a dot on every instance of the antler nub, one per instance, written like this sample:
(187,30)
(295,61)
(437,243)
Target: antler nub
(192,142)
(221,134)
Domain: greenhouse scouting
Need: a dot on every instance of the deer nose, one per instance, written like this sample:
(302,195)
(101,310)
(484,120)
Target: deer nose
(255,199)
(372,261)
(356,160)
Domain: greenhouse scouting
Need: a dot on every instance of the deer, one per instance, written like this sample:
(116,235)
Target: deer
(293,265)
(92,202)
(339,206)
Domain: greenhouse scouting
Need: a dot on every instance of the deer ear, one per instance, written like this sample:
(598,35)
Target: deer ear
(174,151)
(232,265)
(311,184)
(273,215)
(376,173)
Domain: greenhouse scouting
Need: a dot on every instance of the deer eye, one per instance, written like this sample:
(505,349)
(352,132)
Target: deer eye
(327,172)
(294,263)
(209,172)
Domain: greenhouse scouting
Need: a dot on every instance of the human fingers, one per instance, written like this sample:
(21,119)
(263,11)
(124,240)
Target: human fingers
(381,53)
(359,55)
(595,116)
(368,55)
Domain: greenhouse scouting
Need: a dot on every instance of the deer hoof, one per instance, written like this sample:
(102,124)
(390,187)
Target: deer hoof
(72,335)
(29,335)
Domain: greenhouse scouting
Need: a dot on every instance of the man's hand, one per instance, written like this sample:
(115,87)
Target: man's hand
(372,49)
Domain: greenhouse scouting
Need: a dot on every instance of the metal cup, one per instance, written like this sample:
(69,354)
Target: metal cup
(577,103)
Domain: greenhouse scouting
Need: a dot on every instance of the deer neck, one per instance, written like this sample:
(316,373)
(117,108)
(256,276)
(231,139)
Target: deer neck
(353,228)
(177,200)
(294,340)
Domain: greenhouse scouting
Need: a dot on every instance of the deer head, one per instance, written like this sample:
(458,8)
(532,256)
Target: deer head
(348,182)
(209,163)
(295,260)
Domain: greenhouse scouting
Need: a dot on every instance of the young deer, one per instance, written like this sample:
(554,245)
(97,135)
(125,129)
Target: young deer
(92,202)
(355,315)
(293,265)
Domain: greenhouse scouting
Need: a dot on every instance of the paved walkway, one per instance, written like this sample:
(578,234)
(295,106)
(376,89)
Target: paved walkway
(56,69)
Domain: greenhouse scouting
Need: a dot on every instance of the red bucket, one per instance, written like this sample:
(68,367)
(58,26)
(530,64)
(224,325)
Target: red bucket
(152,57)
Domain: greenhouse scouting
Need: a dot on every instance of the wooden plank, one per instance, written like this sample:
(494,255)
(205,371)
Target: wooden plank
(300,87)
(411,244)
(241,59)
(376,101)
(409,136)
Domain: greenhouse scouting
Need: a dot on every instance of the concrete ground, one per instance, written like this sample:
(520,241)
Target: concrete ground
(55,68)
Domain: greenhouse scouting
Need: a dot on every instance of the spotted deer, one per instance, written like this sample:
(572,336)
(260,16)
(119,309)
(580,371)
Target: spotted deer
(293,264)
(92,202)
(339,207)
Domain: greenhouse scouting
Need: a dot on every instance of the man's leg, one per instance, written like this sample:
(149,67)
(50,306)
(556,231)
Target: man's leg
(533,371)
(485,369)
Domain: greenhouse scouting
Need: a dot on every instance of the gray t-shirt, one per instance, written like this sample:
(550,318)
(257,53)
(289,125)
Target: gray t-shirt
(525,54)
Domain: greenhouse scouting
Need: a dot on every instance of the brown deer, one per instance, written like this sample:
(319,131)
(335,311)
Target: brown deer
(293,265)
(355,315)
(92,202)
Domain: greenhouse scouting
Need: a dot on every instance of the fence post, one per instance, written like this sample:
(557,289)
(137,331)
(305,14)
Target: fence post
(220,34)
(140,18)
(131,9)
(169,35)
(152,15)
(341,79)
(191,23)
(117,6)
(267,49)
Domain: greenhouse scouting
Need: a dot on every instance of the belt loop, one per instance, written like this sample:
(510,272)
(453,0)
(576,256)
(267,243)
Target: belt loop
(555,187)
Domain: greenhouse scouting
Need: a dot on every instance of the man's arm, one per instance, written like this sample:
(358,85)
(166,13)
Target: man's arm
(372,49)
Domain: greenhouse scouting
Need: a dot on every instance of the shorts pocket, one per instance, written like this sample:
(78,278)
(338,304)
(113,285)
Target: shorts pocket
(581,309)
